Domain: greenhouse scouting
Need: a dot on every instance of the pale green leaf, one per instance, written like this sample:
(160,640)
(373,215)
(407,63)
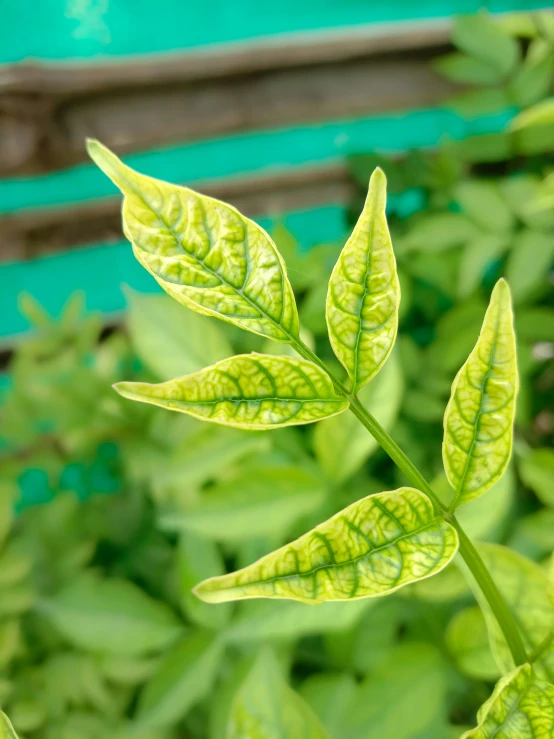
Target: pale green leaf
(184,677)
(111,616)
(403,697)
(371,548)
(484,203)
(197,559)
(330,694)
(204,253)
(479,36)
(537,472)
(364,292)
(521,707)
(486,517)
(267,619)
(529,263)
(265,707)
(528,593)
(170,340)
(438,232)
(478,256)
(478,422)
(249,391)
(541,114)
(341,443)
(468,641)
(466,69)
(259,501)
(534,534)
(6,728)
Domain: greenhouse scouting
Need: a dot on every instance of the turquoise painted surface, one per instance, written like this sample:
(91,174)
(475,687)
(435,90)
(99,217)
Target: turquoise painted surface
(257,152)
(101,270)
(64,29)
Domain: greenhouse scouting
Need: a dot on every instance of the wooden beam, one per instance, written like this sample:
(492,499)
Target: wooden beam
(24,235)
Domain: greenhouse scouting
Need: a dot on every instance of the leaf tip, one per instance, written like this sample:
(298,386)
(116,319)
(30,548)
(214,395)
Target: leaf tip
(108,162)
(210,591)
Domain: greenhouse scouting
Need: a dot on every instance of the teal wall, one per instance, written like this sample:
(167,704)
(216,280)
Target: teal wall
(64,29)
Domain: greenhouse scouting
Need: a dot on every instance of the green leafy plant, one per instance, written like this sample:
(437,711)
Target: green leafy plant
(218,263)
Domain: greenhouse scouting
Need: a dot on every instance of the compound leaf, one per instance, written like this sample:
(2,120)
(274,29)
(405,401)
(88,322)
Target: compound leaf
(249,391)
(364,293)
(204,253)
(371,548)
(265,706)
(478,422)
(521,707)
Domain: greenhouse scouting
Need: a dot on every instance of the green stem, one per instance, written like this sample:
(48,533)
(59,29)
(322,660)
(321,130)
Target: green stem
(470,555)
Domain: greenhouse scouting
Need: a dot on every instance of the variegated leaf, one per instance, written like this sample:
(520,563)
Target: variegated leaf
(371,548)
(203,252)
(478,422)
(249,391)
(364,293)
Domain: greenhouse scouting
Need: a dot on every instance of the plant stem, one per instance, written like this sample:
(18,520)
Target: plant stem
(470,555)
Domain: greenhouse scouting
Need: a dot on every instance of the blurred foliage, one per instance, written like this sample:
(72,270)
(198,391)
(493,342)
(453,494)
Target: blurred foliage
(99,633)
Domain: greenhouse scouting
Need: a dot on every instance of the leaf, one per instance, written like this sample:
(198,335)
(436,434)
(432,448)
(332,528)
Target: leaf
(259,501)
(341,443)
(329,694)
(249,391)
(534,534)
(478,422)
(541,114)
(265,707)
(404,697)
(478,256)
(529,263)
(484,203)
(204,253)
(466,69)
(371,548)
(479,36)
(521,707)
(364,293)
(184,677)
(170,340)
(111,616)
(468,642)
(527,591)
(438,232)
(267,619)
(199,558)
(6,728)
(533,79)
(487,516)
(537,472)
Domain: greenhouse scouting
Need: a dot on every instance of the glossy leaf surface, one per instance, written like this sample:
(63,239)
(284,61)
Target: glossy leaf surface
(265,707)
(521,707)
(204,253)
(364,293)
(478,422)
(371,548)
(249,391)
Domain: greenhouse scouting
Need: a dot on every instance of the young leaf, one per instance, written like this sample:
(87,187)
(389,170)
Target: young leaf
(249,391)
(521,707)
(183,678)
(364,293)
(265,706)
(371,548)
(478,422)
(204,253)
(6,728)
(111,616)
